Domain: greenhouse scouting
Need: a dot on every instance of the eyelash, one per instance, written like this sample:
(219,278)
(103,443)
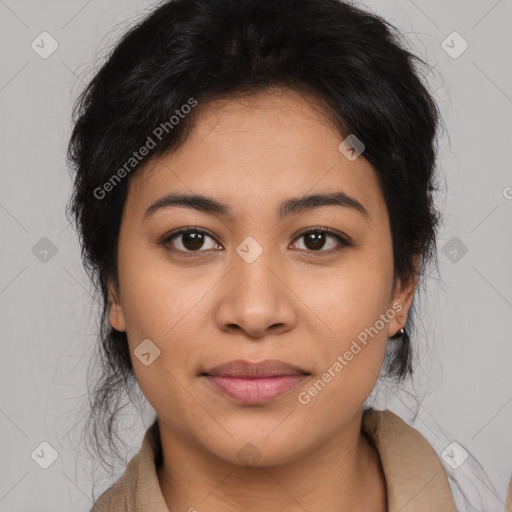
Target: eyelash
(344,242)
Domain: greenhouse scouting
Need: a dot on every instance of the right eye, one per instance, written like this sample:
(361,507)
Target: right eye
(190,240)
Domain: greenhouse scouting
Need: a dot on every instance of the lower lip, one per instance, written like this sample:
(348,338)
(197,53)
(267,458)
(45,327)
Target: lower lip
(256,390)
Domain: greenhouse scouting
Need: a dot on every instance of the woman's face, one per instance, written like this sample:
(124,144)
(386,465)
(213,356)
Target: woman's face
(256,287)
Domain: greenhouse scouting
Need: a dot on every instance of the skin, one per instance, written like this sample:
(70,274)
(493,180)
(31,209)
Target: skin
(292,303)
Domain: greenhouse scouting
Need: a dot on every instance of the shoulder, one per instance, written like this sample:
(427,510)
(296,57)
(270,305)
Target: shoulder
(138,485)
(120,495)
(386,426)
(415,477)
(509,497)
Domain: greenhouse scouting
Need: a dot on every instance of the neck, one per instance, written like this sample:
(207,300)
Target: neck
(342,473)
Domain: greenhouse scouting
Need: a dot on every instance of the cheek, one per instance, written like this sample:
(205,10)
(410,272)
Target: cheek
(352,296)
(170,307)
(354,303)
(350,359)
(157,295)
(159,304)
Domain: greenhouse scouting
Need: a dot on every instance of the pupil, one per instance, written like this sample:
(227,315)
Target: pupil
(192,241)
(317,240)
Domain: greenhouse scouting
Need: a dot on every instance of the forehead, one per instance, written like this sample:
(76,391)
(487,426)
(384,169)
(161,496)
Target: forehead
(253,151)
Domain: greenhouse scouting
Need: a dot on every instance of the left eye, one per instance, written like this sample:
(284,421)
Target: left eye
(315,240)
(193,240)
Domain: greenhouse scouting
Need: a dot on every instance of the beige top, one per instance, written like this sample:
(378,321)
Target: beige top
(508,507)
(415,478)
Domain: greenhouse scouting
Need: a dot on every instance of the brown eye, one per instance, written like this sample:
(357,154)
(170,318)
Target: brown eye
(189,240)
(316,240)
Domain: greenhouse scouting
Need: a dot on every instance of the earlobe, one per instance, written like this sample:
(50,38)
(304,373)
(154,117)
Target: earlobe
(115,315)
(402,301)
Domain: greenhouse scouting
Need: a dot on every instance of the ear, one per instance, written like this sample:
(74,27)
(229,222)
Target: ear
(115,315)
(402,299)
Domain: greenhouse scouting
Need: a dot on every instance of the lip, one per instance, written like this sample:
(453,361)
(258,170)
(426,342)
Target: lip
(255,382)
(247,370)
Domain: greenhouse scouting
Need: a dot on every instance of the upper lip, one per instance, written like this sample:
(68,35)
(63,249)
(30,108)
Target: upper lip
(246,369)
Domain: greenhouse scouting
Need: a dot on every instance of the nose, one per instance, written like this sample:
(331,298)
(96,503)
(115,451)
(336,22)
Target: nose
(256,299)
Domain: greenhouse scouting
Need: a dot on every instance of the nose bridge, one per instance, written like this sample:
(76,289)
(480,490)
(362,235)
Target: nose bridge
(256,298)
(255,275)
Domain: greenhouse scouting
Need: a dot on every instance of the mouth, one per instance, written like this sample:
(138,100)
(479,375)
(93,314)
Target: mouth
(254,383)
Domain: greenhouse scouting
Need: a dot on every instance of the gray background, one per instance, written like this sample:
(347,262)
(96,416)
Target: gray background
(464,349)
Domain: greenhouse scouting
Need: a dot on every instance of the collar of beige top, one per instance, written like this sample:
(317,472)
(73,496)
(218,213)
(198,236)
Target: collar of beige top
(415,478)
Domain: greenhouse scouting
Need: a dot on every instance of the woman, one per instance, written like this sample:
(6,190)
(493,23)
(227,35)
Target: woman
(253,193)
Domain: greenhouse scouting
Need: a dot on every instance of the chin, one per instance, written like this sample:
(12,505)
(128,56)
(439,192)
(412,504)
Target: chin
(258,450)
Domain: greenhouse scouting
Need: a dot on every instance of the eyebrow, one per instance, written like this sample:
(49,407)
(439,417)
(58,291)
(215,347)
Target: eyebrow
(289,207)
